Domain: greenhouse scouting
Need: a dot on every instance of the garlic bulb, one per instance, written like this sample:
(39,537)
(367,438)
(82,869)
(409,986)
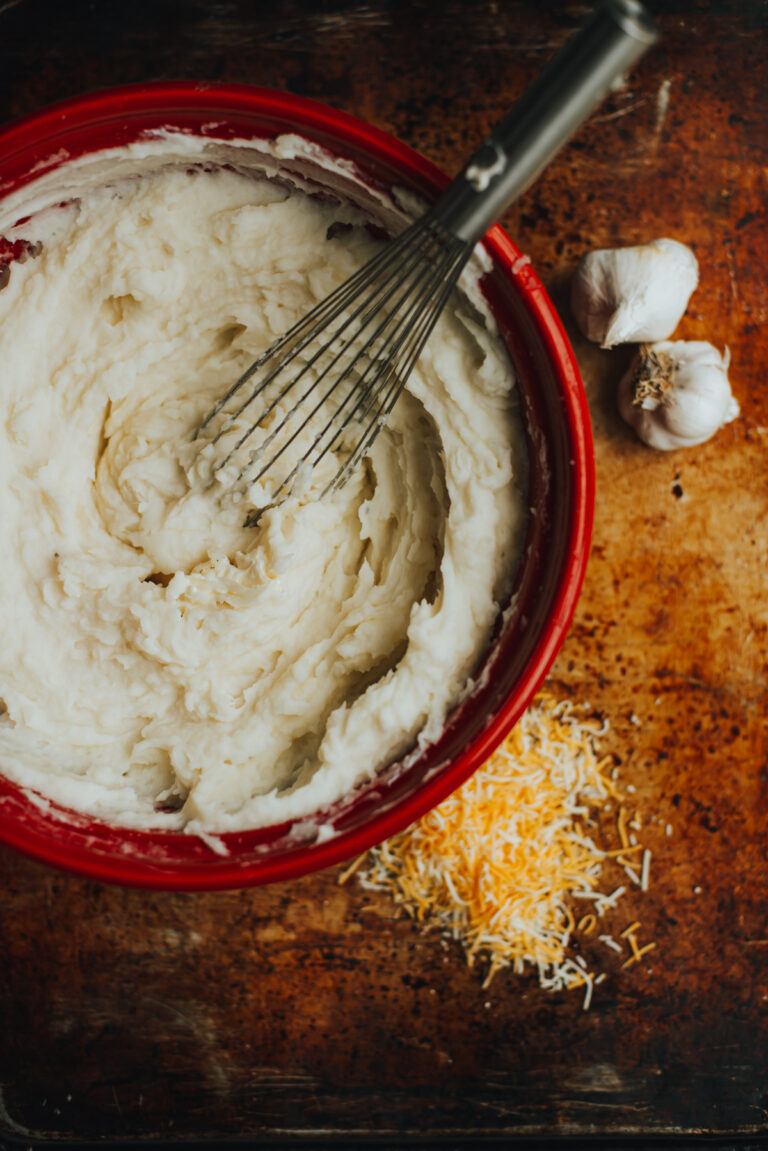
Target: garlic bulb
(677,393)
(633,295)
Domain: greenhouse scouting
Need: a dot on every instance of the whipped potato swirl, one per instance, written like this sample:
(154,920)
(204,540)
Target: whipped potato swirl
(162,664)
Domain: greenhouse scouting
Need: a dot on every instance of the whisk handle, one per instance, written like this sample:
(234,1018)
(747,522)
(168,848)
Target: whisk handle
(565,94)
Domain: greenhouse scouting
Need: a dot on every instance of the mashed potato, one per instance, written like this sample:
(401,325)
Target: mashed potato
(162,664)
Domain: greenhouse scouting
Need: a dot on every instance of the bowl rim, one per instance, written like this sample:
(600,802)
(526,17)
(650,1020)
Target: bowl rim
(38,129)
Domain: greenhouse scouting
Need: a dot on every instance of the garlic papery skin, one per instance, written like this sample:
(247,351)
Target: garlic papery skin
(676,393)
(633,295)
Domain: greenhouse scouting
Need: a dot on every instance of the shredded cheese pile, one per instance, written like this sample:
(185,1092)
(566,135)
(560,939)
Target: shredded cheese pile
(498,863)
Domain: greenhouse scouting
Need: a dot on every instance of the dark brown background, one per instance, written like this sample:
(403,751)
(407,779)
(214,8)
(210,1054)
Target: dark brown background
(310,1009)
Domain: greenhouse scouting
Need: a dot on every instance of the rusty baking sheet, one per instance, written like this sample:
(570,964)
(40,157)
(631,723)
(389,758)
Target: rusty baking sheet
(312,1011)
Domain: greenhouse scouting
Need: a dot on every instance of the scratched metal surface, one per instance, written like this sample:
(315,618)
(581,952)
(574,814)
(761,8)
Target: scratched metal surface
(310,1008)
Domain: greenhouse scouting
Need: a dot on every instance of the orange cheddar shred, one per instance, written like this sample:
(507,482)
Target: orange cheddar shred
(502,862)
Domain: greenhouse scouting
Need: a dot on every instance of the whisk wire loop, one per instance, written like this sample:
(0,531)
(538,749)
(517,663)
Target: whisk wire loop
(298,336)
(398,304)
(370,307)
(353,352)
(367,327)
(284,351)
(399,374)
(376,373)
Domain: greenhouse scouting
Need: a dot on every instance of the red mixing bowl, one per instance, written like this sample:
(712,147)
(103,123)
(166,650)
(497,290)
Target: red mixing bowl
(548,584)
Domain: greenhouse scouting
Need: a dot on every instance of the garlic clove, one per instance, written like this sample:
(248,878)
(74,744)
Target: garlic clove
(677,394)
(628,295)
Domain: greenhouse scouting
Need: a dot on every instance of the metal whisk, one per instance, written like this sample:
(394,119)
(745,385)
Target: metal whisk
(327,386)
